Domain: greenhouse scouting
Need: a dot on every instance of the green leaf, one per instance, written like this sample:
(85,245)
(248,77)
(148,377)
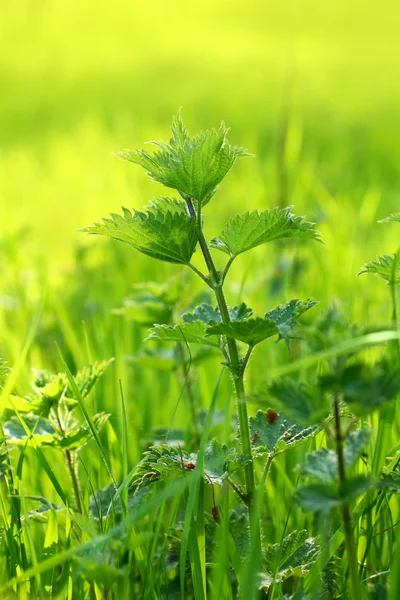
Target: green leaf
(303,402)
(4,371)
(161,463)
(286,315)
(323,463)
(365,387)
(323,497)
(355,444)
(145,310)
(190,333)
(77,436)
(220,462)
(386,267)
(252,331)
(391,481)
(165,231)
(247,231)
(395,217)
(274,433)
(206,313)
(192,165)
(50,388)
(240,530)
(42,429)
(87,377)
(329,329)
(152,302)
(292,557)
(170,360)
(46,434)
(4,464)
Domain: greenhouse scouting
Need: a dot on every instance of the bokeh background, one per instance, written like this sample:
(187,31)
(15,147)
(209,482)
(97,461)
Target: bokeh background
(311,88)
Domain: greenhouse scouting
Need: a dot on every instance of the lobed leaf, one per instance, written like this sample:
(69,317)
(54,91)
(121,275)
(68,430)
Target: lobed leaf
(45,433)
(391,481)
(252,331)
(386,267)
(274,433)
(42,429)
(252,229)
(303,402)
(365,387)
(292,557)
(279,321)
(159,463)
(170,360)
(165,231)
(50,388)
(220,461)
(240,530)
(394,217)
(190,333)
(323,497)
(206,313)
(322,464)
(194,166)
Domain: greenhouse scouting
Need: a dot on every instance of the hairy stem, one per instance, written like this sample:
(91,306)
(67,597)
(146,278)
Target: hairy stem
(238,378)
(70,458)
(393,294)
(346,516)
(238,491)
(72,467)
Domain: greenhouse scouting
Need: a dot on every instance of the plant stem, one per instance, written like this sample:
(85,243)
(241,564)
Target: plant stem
(393,293)
(266,469)
(70,458)
(237,490)
(71,462)
(345,510)
(238,378)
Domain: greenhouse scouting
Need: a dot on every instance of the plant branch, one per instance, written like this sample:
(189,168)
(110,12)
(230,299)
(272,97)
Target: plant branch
(238,491)
(227,267)
(200,274)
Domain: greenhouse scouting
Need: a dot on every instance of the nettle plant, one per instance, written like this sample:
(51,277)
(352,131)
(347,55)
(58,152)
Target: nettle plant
(334,400)
(51,416)
(171,229)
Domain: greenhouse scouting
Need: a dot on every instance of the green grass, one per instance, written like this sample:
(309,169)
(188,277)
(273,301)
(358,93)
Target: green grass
(311,91)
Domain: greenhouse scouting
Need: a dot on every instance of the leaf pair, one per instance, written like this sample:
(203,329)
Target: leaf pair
(204,325)
(49,388)
(194,166)
(72,438)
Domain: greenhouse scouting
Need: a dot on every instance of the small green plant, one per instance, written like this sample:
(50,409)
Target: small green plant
(171,229)
(47,416)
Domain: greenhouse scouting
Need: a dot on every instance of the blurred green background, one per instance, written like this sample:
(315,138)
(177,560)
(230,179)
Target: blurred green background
(311,88)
